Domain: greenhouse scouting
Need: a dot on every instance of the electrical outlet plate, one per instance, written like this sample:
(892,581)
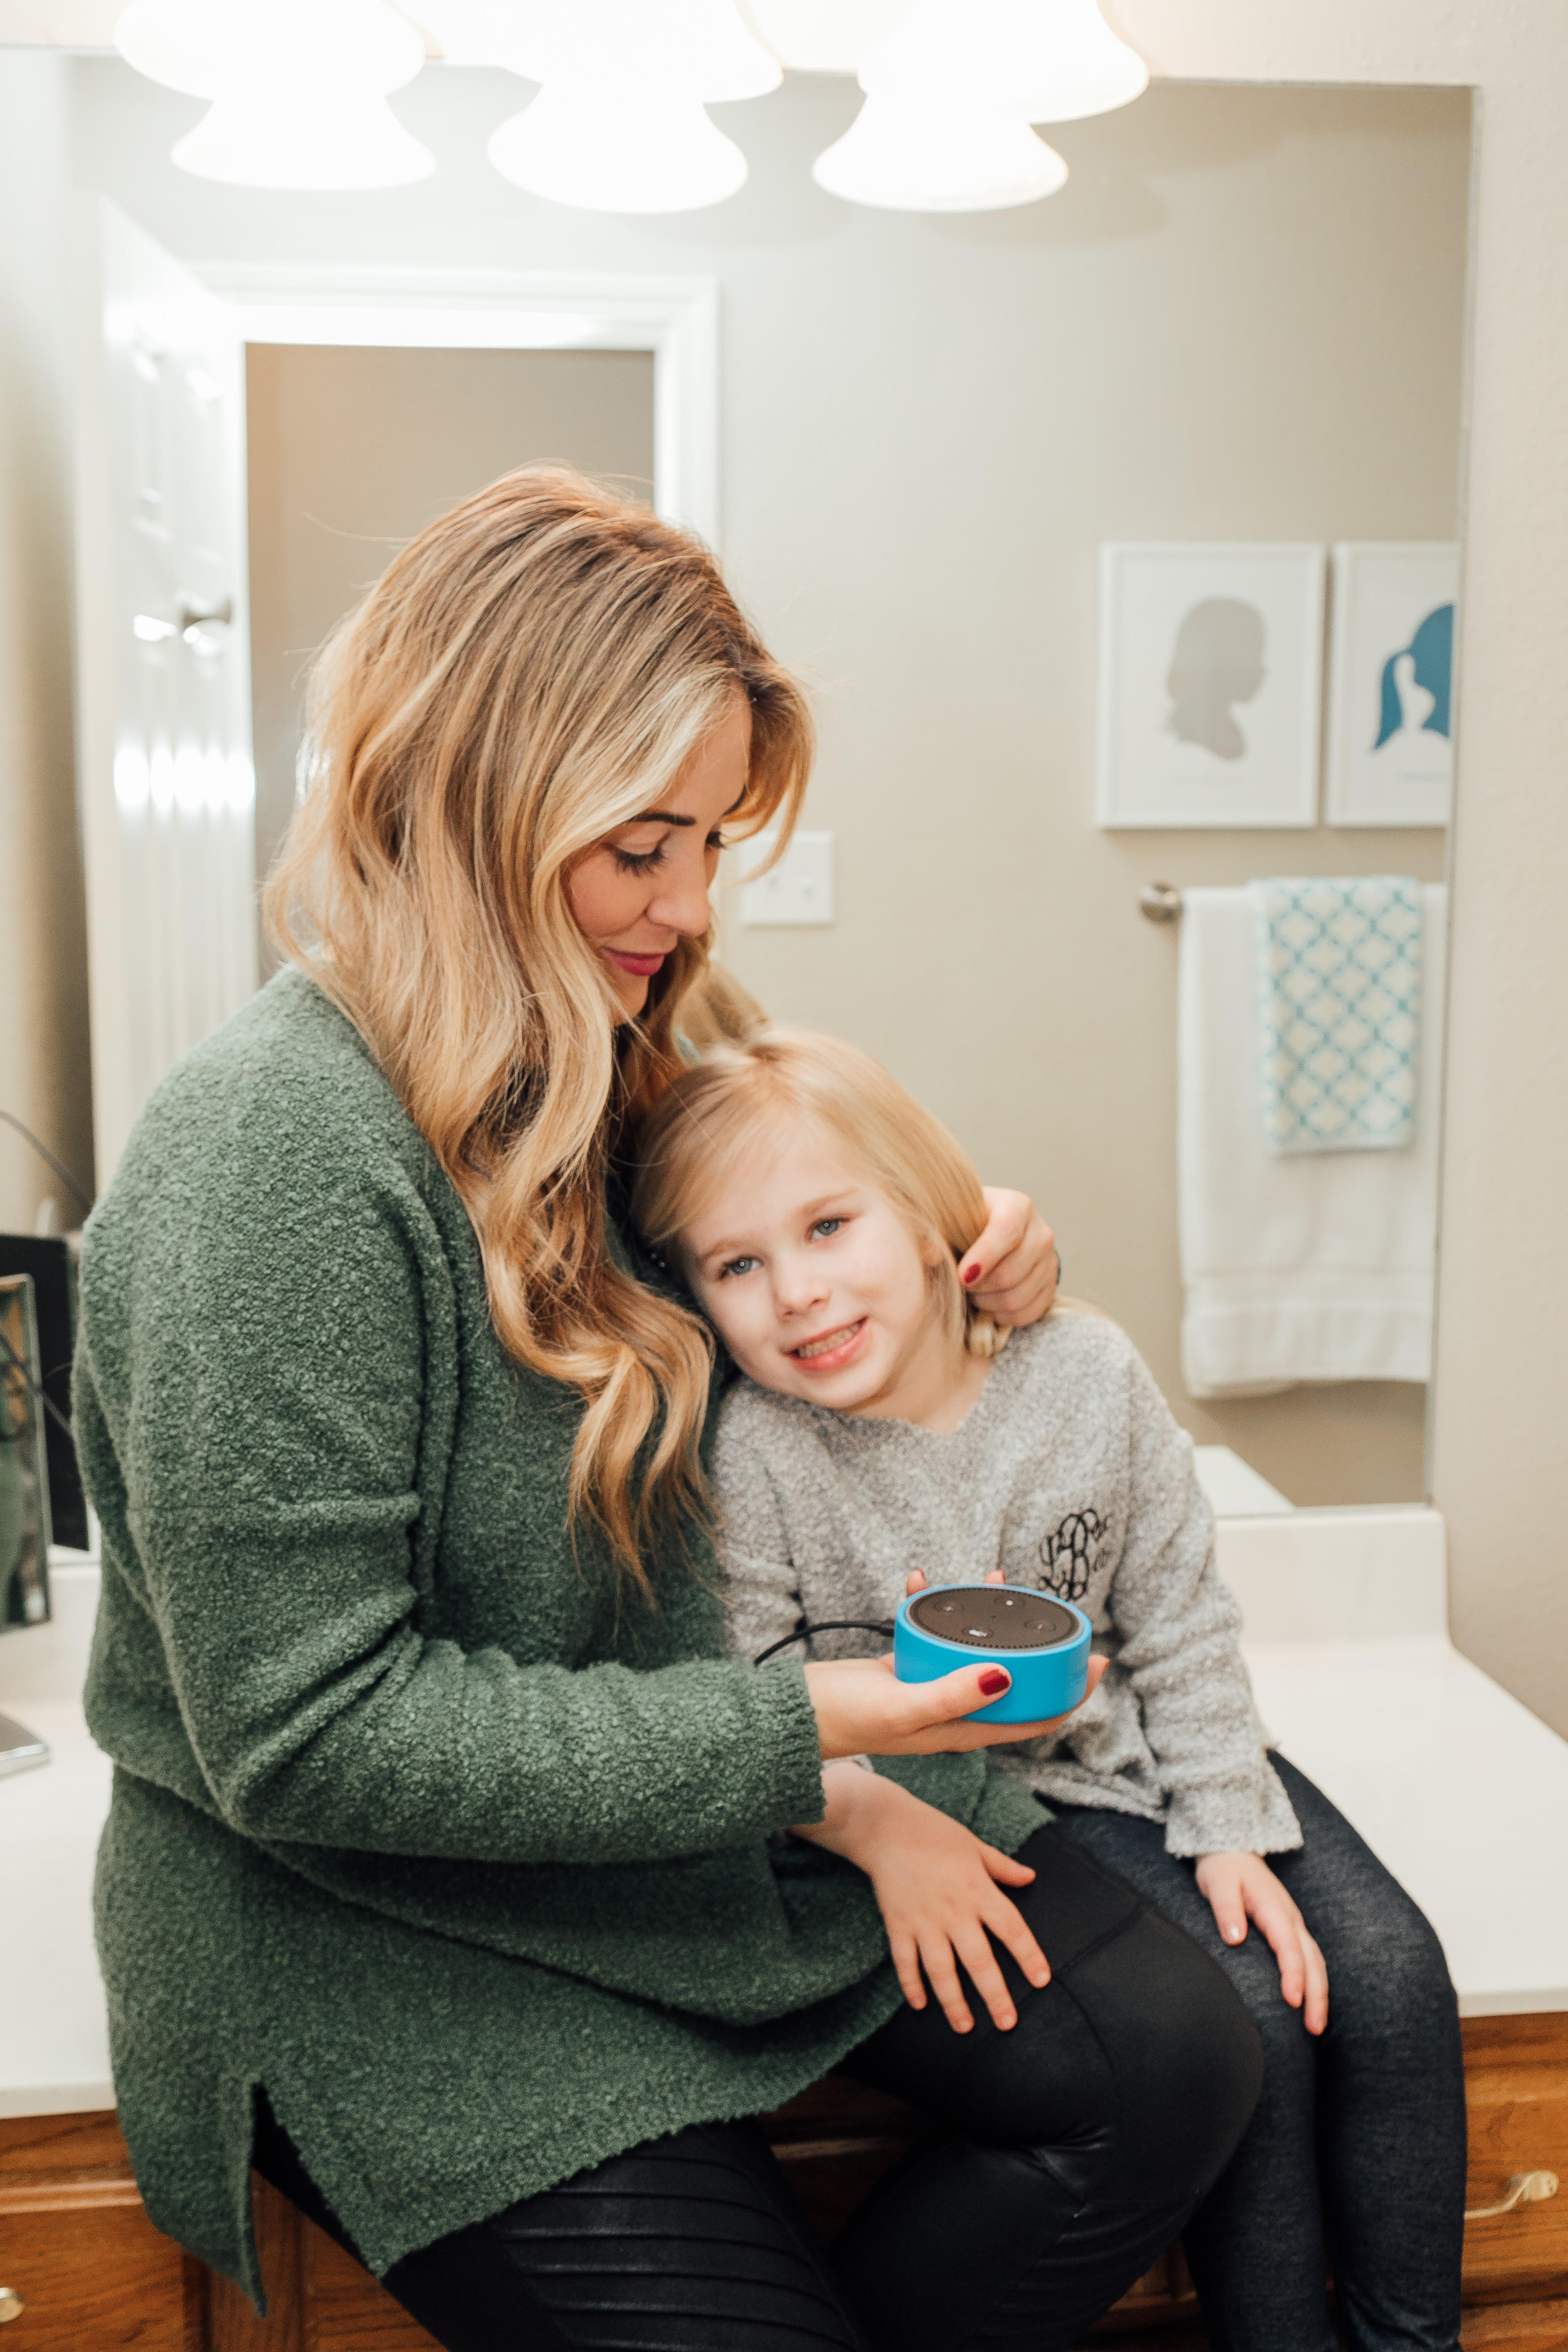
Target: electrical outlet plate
(798,889)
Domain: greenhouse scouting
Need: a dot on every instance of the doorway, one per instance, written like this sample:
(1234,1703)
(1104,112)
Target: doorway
(353,449)
(284,429)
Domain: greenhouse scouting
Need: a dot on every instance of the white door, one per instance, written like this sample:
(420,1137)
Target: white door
(165,775)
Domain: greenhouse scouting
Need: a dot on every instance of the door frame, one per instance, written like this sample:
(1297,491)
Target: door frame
(676,319)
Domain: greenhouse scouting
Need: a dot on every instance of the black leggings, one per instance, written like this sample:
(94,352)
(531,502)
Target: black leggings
(1358,2142)
(1069,2153)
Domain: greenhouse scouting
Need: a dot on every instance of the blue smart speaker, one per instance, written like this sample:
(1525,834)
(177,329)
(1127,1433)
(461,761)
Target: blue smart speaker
(1043,1643)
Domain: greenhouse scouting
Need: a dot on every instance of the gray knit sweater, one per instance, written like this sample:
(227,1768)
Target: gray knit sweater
(1069,1475)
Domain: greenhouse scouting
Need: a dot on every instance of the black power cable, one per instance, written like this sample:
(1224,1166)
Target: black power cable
(61,1171)
(832,1625)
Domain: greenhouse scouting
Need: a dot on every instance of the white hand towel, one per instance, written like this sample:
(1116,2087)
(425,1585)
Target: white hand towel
(1316,1268)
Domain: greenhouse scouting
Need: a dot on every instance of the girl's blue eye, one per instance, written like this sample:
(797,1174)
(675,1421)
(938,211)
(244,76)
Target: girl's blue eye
(738,1265)
(826,1226)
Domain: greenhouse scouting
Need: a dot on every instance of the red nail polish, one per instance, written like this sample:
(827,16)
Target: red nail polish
(972,1275)
(994,1681)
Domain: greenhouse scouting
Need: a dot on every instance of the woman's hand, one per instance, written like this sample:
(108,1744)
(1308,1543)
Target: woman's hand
(1241,1887)
(861,1710)
(938,1888)
(1013,1269)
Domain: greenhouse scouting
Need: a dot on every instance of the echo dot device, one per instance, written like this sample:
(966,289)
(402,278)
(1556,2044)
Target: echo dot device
(1042,1641)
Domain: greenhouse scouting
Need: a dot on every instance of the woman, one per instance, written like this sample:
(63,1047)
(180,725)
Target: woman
(439,1873)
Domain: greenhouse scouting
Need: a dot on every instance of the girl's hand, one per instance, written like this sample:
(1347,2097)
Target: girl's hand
(861,1710)
(938,1888)
(1241,1887)
(1013,1268)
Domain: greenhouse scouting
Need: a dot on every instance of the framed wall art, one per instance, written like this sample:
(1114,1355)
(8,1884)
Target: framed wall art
(1390,748)
(1210,683)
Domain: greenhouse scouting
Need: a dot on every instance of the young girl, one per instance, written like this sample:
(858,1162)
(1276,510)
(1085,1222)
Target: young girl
(881,1437)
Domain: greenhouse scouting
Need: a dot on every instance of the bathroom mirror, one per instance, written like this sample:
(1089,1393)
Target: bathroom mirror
(1239,326)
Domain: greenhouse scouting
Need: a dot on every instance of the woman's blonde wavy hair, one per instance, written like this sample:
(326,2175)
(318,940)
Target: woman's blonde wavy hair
(738,1097)
(530,673)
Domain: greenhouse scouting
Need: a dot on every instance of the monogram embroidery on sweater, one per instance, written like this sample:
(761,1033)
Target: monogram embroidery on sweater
(1069,1557)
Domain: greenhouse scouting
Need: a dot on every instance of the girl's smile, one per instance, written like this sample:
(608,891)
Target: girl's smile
(834,1350)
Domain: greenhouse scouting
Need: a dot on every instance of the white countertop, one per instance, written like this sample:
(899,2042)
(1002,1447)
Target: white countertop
(1459,1789)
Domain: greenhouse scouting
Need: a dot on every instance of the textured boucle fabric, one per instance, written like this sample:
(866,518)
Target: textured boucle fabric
(418,1823)
(1069,1475)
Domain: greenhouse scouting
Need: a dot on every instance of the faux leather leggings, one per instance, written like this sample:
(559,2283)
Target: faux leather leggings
(1065,2154)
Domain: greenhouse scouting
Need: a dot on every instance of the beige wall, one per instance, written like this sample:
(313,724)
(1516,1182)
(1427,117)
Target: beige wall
(45,1073)
(353,451)
(1242,320)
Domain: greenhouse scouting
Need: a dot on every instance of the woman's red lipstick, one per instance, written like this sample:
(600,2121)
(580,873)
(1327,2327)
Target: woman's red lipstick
(642,966)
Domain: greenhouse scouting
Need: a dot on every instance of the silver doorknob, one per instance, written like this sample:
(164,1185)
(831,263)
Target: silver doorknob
(11,2305)
(194,618)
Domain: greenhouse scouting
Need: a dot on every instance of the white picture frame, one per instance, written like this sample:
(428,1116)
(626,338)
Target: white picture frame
(1391,682)
(1211,660)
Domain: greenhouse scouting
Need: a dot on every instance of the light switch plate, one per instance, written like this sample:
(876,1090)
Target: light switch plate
(798,889)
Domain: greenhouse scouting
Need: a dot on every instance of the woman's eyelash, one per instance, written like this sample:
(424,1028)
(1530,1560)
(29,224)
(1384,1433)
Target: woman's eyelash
(632,861)
(635,861)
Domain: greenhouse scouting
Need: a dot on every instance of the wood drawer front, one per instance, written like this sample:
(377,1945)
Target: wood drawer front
(92,2276)
(348,2312)
(1516,2080)
(319,2299)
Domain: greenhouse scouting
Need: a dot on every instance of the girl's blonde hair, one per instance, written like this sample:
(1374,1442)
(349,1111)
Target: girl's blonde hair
(530,673)
(736,1097)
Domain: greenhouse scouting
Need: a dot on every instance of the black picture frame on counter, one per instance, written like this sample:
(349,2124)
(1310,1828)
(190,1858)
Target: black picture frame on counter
(48,1261)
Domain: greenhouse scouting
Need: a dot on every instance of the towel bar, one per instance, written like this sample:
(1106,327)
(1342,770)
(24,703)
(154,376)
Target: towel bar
(1161,902)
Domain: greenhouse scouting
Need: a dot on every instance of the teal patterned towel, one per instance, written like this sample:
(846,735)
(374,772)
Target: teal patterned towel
(1339,994)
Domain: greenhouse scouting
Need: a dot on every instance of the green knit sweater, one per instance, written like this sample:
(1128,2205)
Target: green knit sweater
(418,1823)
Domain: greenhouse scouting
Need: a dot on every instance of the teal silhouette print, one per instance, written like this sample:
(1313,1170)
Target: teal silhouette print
(1417,681)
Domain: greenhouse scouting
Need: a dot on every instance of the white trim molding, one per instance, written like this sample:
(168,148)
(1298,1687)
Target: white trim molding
(677,319)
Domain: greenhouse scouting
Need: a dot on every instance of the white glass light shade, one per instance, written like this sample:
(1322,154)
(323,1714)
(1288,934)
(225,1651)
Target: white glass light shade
(202,46)
(824,36)
(914,155)
(617,151)
(318,135)
(1044,60)
(699,47)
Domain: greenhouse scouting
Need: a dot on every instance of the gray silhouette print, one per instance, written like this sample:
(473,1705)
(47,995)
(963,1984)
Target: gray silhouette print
(1218,661)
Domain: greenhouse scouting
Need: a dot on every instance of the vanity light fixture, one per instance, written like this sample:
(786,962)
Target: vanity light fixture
(620,123)
(298,88)
(703,46)
(918,155)
(618,151)
(824,36)
(1040,61)
(951,93)
(299,91)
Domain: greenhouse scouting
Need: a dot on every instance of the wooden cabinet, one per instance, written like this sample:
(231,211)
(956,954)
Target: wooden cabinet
(93,2275)
(77,2252)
